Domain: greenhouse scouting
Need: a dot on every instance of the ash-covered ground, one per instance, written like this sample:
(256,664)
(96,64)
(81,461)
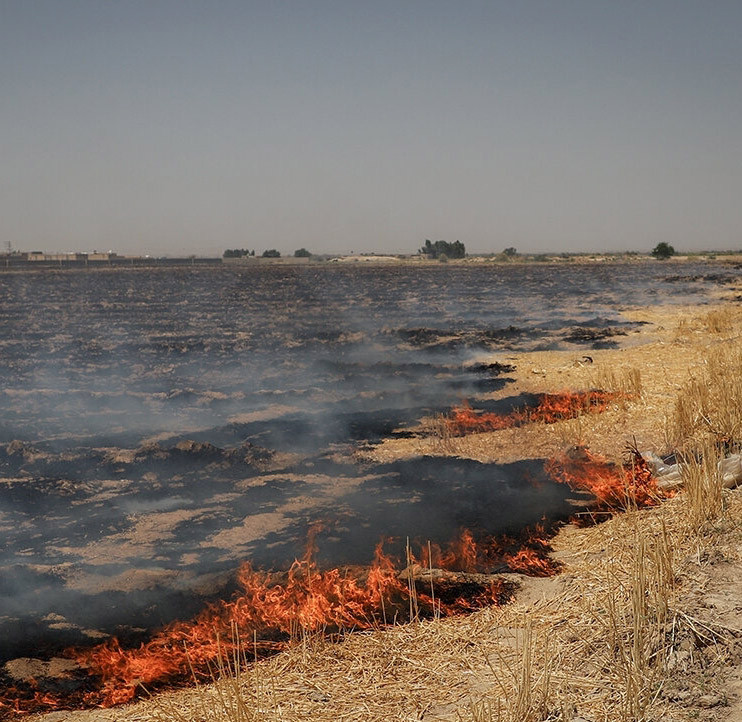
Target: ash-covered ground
(158,427)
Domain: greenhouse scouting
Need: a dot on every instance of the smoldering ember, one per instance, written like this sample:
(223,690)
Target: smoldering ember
(185,449)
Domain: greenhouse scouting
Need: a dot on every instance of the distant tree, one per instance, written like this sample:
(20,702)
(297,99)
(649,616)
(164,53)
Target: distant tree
(302,253)
(510,252)
(272,253)
(443,248)
(662,251)
(237,253)
(456,250)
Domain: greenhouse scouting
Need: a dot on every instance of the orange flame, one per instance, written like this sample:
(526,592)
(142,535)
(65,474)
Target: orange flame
(532,558)
(550,408)
(271,612)
(15,702)
(272,608)
(531,563)
(527,554)
(614,486)
(462,554)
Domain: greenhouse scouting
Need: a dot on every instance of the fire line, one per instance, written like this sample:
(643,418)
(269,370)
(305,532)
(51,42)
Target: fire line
(274,608)
(549,409)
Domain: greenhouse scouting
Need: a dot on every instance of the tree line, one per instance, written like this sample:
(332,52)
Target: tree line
(440,250)
(443,249)
(270,253)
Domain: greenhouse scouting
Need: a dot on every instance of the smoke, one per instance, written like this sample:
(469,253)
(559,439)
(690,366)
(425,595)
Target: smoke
(277,374)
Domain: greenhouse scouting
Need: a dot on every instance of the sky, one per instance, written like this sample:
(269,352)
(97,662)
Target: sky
(172,127)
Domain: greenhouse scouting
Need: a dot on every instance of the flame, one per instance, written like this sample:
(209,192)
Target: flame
(15,701)
(527,554)
(463,554)
(614,486)
(551,408)
(271,609)
(531,563)
(532,557)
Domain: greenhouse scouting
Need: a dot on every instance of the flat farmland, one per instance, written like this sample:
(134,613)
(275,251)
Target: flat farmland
(158,427)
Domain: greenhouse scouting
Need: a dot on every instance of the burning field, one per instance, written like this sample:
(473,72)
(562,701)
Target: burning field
(192,460)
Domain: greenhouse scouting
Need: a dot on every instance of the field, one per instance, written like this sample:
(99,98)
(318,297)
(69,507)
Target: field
(166,426)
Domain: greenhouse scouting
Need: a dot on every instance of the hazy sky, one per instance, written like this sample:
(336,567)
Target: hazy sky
(175,126)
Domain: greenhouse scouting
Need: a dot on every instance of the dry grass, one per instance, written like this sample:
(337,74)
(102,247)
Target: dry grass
(702,485)
(625,381)
(238,692)
(441,441)
(721,320)
(526,686)
(709,406)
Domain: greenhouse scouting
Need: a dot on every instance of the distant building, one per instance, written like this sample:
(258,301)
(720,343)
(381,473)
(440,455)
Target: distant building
(40,256)
(98,259)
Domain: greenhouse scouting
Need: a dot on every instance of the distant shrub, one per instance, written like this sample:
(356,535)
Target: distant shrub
(662,251)
(237,253)
(272,253)
(443,248)
(302,253)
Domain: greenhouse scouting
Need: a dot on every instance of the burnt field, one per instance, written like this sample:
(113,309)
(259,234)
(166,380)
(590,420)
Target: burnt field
(160,426)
